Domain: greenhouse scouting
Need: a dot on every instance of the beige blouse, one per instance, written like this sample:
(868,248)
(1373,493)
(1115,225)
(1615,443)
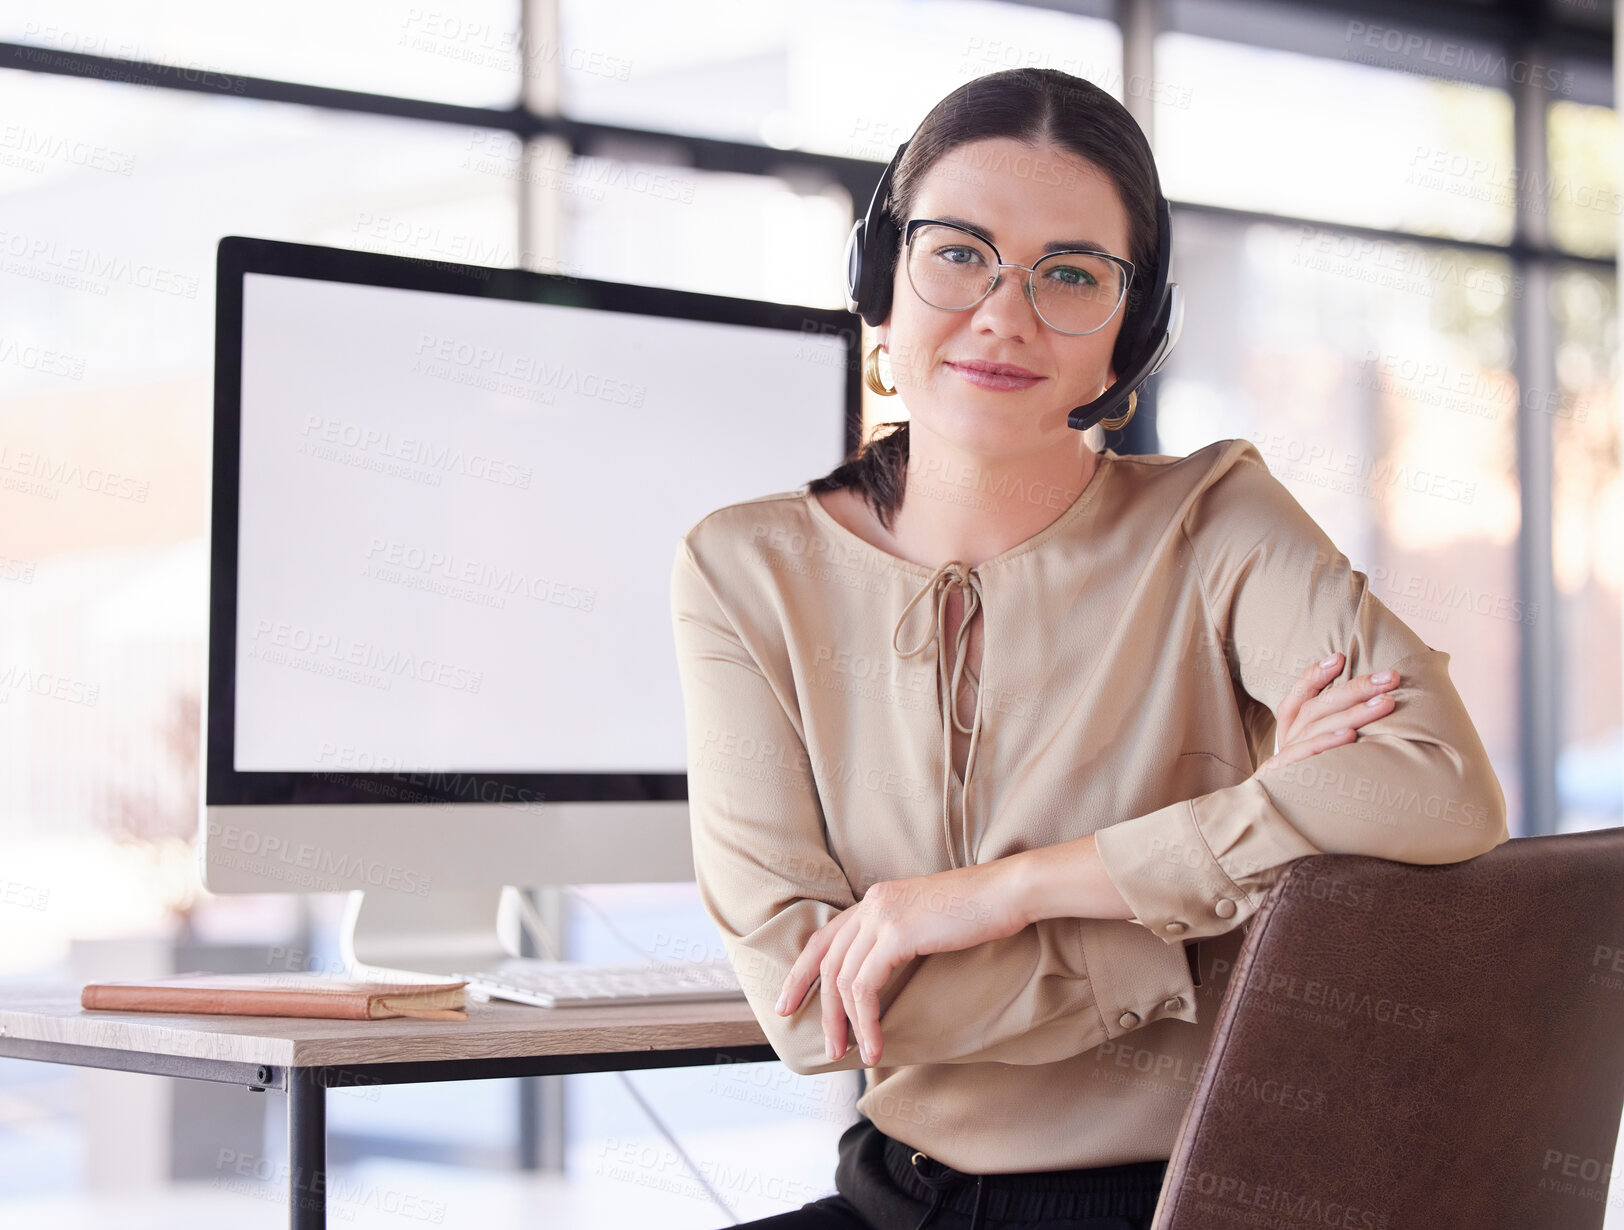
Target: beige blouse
(1134,655)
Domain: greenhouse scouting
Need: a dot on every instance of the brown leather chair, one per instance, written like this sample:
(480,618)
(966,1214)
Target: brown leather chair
(1401,1046)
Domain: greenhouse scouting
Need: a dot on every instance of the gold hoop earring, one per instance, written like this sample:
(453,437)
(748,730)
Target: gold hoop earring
(871,374)
(1118,424)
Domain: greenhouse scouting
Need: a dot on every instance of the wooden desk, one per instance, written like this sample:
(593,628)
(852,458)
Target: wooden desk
(303,1058)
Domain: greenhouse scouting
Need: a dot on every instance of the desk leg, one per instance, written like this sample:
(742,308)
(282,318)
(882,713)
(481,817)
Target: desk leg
(307,1149)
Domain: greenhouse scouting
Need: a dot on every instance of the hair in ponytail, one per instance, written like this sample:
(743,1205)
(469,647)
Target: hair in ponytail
(879,471)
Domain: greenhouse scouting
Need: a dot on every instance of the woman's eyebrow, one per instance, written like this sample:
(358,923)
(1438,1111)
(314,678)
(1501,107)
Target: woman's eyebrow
(1054,245)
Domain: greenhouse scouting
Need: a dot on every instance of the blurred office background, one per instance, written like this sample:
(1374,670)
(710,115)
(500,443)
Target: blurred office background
(1398,235)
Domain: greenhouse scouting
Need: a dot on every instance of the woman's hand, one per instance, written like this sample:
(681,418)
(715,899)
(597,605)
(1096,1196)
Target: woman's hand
(1315,717)
(856,951)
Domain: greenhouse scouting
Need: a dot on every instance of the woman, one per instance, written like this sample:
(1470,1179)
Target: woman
(980,724)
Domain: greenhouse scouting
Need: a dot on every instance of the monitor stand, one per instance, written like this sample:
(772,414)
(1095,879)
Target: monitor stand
(393,936)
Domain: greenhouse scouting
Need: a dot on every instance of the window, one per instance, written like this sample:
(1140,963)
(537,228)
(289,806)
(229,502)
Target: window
(111,213)
(1374,378)
(1588,510)
(626,219)
(1310,137)
(1582,192)
(459,51)
(847,77)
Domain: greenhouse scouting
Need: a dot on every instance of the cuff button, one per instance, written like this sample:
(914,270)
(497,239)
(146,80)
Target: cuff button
(1176,928)
(1128,1020)
(1225,908)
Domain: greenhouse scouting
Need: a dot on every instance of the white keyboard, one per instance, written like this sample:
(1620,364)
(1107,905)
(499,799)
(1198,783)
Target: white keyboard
(572,984)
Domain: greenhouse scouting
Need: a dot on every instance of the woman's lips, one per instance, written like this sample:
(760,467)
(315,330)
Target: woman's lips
(997,381)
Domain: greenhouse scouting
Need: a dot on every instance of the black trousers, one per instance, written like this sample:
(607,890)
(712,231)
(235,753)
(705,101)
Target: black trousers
(882,1186)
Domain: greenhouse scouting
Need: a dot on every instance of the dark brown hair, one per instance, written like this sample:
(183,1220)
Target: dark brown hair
(1034,106)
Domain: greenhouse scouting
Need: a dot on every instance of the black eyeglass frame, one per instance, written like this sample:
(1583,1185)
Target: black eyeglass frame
(914,224)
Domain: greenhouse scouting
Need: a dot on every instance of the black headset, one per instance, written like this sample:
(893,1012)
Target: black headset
(1144,343)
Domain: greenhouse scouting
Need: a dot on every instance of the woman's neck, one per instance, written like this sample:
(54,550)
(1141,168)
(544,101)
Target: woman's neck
(959,505)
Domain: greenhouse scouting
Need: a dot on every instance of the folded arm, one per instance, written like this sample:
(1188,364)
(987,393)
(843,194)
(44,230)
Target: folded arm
(1415,786)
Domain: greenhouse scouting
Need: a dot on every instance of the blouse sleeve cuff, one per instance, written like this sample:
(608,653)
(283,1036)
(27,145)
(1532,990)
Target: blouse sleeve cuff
(1200,867)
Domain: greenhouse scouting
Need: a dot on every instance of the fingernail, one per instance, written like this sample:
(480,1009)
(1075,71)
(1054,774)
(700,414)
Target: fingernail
(1382,677)
(828,1048)
(783,1003)
(1330,661)
(1375,702)
(868,1056)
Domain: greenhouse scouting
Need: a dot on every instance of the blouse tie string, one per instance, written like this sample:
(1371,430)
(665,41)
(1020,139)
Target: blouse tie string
(953,573)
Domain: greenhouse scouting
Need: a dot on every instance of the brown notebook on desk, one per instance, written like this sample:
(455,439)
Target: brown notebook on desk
(305,995)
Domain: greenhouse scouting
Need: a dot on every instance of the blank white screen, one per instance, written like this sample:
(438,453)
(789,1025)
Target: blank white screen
(458,517)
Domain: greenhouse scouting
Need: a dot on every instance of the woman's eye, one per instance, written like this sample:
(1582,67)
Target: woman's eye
(958,255)
(1070,275)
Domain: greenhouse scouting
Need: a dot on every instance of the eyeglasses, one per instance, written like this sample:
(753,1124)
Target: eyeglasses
(955,269)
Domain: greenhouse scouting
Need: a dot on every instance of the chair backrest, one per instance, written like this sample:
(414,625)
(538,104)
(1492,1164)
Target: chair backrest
(1417,1046)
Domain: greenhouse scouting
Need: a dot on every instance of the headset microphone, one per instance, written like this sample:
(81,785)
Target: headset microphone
(871,250)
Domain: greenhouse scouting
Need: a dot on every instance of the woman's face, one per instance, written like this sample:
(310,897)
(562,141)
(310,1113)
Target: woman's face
(1020,197)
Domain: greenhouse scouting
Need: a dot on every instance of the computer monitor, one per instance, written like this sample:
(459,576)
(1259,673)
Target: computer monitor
(446,500)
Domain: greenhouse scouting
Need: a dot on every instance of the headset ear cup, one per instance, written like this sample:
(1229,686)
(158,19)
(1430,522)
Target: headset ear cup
(1146,304)
(882,256)
(881,279)
(854,267)
(869,248)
